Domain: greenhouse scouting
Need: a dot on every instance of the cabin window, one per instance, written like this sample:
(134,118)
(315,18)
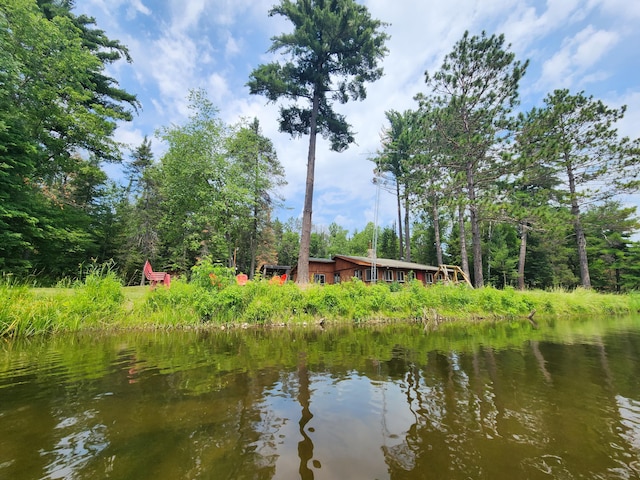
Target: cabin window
(388,275)
(358,274)
(429,277)
(319,278)
(412,275)
(336,278)
(369,277)
(400,276)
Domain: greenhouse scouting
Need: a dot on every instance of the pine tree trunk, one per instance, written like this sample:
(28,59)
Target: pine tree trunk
(464,257)
(577,226)
(523,253)
(476,240)
(305,237)
(436,230)
(582,248)
(407,233)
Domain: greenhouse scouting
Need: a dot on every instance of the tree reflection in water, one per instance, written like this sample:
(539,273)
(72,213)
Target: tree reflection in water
(392,402)
(305,446)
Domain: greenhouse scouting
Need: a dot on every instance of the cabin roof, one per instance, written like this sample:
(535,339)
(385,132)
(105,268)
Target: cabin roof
(322,260)
(386,262)
(367,262)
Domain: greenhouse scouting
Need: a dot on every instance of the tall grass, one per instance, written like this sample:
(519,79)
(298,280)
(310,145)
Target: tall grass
(260,302)
(94,302)
(99,301)
(354,301)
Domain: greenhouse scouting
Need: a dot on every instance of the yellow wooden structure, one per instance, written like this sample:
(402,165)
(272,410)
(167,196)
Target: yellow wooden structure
(451,273)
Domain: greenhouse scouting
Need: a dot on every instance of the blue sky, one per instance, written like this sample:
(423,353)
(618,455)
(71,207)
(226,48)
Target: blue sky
(177,45)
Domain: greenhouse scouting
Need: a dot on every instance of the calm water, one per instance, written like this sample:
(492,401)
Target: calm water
(497,401)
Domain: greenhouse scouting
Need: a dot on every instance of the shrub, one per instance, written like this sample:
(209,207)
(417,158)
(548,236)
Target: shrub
(259,311)
(208,275)
(228,305)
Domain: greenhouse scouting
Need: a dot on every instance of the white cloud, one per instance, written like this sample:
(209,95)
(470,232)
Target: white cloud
(591,45)
(109,9)
(629,10)
(173,67)
(131,137)
(524,25)
(158,106)
(629,126)
(137,7)
(577,55)
(185,15)
(232,48)
(217,88)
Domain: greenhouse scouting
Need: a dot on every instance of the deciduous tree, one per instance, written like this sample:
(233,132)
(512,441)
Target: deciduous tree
(262,174)
(55,102)
(202,202)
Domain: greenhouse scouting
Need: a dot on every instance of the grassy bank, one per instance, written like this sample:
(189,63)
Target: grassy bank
(100,302)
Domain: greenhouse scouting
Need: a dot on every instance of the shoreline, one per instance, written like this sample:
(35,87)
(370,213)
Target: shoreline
(104,305)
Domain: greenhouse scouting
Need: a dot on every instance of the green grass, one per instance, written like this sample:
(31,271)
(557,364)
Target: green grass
(100,302)
(133,295)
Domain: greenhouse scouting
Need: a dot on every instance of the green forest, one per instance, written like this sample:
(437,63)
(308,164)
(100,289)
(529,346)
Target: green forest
(525,199)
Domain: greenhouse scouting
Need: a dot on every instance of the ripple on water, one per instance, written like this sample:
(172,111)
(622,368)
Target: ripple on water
(551,465)
(81,439)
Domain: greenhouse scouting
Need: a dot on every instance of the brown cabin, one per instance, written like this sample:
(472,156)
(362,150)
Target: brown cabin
(344,267)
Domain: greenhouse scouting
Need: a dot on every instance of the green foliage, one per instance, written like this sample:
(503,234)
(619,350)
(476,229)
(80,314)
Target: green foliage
(177,306)
(398,170)
(201,200)
(260,172)
(95,300)
(473,95)
(22,315)
(55,100)
(139,212)
(503,256)
(608,228)
(213,191)
(208,275)
(361,240)
(578,142)
(214,182)
(335,47)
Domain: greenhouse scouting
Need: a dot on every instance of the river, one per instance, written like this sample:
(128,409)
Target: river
(503,400)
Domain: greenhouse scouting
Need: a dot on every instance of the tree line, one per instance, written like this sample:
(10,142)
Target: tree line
(529,199)
(211,193)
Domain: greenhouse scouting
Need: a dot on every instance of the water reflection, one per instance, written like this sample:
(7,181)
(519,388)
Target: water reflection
(305,446)
(396,402)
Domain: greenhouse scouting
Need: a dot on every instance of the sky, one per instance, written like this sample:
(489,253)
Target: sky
(178,45)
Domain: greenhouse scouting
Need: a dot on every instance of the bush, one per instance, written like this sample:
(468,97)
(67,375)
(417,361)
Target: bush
(208,275)
(228,305)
